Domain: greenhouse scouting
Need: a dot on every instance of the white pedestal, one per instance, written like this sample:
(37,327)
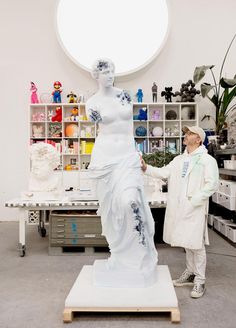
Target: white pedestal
(121,278)
(85,297)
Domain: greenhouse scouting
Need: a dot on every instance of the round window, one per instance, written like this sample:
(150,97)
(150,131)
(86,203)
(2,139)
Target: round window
(130,33)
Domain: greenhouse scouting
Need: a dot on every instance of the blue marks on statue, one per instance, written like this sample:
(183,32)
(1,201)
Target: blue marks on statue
(139,225)
(94,115)
(124,97)
(102,65)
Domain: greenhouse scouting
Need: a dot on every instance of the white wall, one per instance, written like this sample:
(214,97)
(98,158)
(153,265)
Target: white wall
(200,33)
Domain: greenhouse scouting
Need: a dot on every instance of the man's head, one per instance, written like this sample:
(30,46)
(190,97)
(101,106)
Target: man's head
(194,136)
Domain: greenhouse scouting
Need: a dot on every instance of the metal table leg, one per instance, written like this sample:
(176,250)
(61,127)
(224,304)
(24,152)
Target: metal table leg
(22,219)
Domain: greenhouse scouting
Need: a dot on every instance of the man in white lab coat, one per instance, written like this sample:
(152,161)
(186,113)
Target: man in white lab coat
(192,179)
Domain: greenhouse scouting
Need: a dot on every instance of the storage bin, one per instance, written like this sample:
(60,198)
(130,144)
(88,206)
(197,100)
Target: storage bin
(216,222)
(227,201)
(223,226)
(222,185)
(227,187)
(210,219)
(230,188)
(215,197)
(231,232)
(230,165)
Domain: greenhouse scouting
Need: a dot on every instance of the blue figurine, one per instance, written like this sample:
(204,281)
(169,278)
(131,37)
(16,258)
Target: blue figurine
(139,95)
(142,116)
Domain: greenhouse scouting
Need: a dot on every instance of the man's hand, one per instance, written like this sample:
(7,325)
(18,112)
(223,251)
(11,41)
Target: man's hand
(143,165)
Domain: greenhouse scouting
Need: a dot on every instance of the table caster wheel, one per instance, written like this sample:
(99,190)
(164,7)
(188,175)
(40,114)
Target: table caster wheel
(21,250)
(22,253)
(43,232)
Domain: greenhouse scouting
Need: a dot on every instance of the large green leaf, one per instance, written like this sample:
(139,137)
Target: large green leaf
(227,98)
(205,89)
(200,72)
(215,100)
(227,83)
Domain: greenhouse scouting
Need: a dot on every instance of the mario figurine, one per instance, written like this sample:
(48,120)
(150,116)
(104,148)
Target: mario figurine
(57,92)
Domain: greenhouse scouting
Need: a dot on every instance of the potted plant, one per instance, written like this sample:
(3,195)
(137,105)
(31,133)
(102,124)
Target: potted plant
(221,93)
(159,158)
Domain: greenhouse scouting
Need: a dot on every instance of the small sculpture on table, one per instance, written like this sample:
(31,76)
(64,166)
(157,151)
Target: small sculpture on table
(154,92)
(168,94)
(57,92)
(43,183)
(139,95)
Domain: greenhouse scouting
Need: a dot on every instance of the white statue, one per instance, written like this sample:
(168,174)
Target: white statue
(43,182)
(126,218)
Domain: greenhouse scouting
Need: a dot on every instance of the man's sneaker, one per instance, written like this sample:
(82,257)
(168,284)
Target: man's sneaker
(198,290)
(186,279)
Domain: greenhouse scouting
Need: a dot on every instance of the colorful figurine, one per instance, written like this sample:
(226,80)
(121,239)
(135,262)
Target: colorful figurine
(72,97)
(74,114)
(168,94)
(139,95)
(154,92)
(34,96)
(58,115)
(142,116)
(57,92)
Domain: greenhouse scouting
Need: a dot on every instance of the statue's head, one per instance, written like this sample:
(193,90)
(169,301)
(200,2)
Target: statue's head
(103,70)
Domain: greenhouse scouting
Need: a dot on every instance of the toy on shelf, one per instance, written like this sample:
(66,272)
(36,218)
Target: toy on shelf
(187,91)
(38,117)
(57,92)
(58,115)
(34,96)
(50,115)
(142,116)
(71,130)
(139,95)
(54,130)
(154,92)
(168,94)
(38,131)
(72,97)
(157,131)
(156,115)
(141,131)
(74,114)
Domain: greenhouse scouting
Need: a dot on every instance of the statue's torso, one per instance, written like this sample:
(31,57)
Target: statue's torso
(115,138)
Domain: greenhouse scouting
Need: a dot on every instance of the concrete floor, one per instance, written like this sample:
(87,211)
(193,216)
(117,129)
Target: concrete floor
(33,289)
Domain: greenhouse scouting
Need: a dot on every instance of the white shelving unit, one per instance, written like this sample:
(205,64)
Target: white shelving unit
(75,139)
(164,125)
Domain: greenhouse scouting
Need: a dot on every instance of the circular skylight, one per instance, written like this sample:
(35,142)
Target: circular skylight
(130,33)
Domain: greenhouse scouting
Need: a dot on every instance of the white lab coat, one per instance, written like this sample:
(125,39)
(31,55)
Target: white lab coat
(185,219)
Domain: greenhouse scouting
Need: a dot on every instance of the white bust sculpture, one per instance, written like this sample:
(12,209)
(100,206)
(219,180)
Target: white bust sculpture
(43,183)
(127,222)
